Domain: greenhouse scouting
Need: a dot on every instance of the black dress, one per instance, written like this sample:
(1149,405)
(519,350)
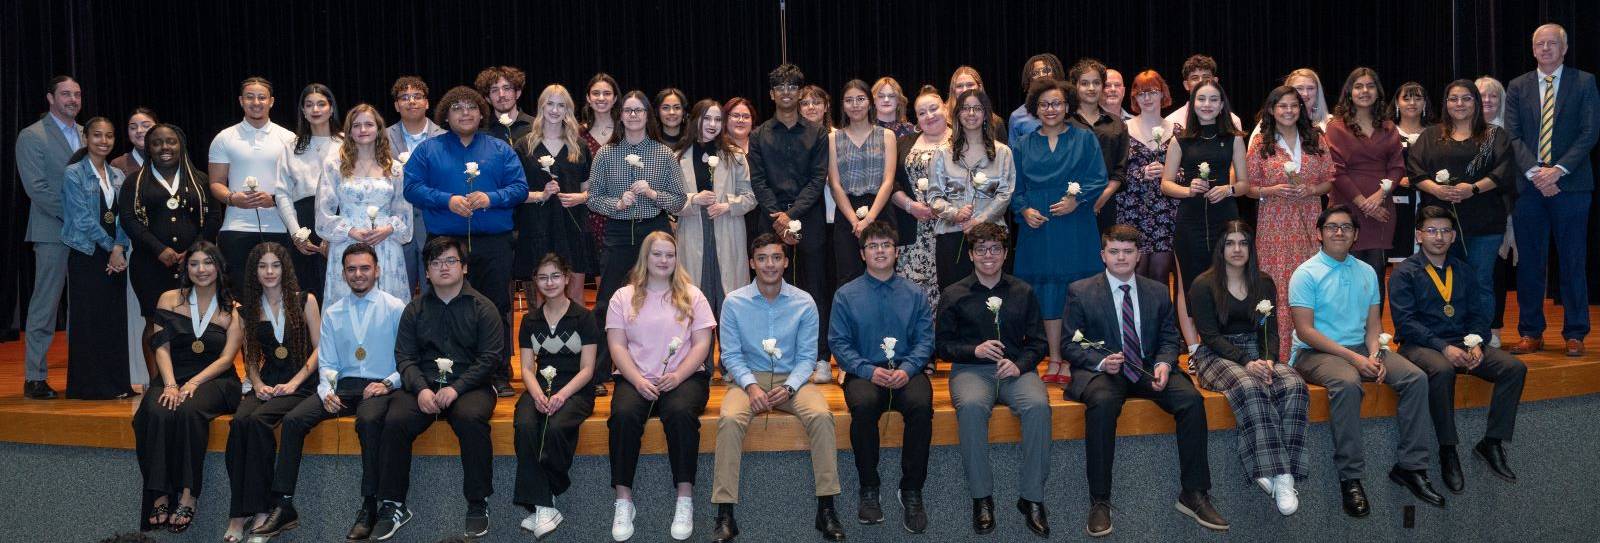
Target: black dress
(97,353)
(171,443)
(152,227)
(544,455)
(1199,223)
(547,227)
(252,446)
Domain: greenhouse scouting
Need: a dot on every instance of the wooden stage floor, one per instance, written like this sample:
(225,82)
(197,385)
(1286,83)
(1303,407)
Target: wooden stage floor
(107,423)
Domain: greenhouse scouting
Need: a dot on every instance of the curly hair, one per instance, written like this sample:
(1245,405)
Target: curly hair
(1345,110)
(1310,135)
(296,334)
(380,146)
(441,114)
(680,291)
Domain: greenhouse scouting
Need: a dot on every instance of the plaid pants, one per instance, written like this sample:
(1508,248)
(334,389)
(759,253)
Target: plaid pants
(1271,416)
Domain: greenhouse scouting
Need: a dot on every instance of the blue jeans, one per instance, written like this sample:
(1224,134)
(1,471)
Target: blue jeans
(1481,252)
(1537,219)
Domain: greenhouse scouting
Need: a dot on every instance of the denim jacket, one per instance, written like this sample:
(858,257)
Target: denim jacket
(80,209)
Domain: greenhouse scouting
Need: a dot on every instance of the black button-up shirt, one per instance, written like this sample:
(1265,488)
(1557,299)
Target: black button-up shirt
(466,330)
(788,165)
(1112,134)
(964,322)
(1418,308)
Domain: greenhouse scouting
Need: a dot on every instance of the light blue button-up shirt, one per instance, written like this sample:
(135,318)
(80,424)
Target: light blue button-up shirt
(748,318)
(336,355)
(866,310)
(1339,294)
(69,130)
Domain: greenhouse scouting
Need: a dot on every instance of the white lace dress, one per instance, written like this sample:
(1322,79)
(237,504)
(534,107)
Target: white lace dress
(342,205)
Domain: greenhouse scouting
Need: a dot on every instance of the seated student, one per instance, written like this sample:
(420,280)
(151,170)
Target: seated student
(559,339)
(1434,318)
(769,330)
(881,333)
(356,361)
(1232,308)
(1334,298)
(994,338)
(446,349)
(1128,347)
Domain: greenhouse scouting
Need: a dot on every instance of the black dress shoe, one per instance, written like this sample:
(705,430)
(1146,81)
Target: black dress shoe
(1034,516)
(1417,482)
(726,528)
(1355,498)
(282,518)
(1099,524)
(1197,505)
(828,522)
(1450,469)
(1494,454)
(38,390)
(983,515)
(362,529)
(916,516)
(870,511)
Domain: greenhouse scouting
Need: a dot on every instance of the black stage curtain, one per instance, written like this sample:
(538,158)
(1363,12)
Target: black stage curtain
(185,59)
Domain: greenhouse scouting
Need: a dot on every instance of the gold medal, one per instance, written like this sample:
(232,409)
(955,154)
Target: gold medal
(1445,287)
(281,352)
(198,346)
(108,217)
(1449,310)
(361,353)
(172,203)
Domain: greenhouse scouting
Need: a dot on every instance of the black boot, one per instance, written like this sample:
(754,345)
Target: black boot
(1450,469)
(983,515)
(726,528)
(828,520)
(870,511)
(282,518)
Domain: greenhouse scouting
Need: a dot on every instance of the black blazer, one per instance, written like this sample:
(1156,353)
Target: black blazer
(1577,126)
(1094,311)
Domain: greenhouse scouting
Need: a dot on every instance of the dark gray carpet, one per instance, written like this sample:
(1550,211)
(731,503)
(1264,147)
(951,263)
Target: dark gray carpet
(81,494)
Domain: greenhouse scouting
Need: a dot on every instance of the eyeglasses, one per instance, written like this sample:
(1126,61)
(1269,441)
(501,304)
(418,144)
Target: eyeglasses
(1438,232)
(444,263)
(1042,72)
(740,116)
(855,100)
(785,89)
(461,107)
(1149,93)
(633,111)
(412,97)
(972,109)
(549,277)
(878,246)
(1344,228)
(985,251)
(1052,106)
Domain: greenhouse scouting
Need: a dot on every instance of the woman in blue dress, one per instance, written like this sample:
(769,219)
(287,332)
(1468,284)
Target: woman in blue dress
(1059,176)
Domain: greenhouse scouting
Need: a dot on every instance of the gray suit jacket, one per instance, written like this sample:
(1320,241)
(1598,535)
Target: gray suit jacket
(42,154)
(397,136)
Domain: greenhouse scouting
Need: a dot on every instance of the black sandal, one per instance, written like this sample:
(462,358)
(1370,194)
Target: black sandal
(157,511)
(184,512)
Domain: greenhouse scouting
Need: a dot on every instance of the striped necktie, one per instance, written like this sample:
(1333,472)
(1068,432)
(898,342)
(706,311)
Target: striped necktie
(1130,337)
(1547,118)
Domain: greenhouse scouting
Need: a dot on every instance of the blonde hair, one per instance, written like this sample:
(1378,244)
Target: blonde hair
(380,144)
(681,291)
(1487,85)
(1320,101)
(900,97)
(950,100)
(569,124)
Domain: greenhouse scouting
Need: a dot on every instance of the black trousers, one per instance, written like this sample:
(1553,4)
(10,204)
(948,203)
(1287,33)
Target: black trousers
(171,443)
(623,238)
(1103,396)
(236,246)
(950,258)
(846,246)
(545,447)
(307,415)
(489,273)
(679,412)
(808,263)
(1506,372)
(253,449)
(311,270)
(867,403)
(468,417)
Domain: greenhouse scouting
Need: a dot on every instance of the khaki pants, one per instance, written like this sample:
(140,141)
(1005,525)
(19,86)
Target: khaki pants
(807,404)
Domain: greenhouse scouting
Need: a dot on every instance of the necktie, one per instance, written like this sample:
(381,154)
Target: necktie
(1130,337)
(1547,118)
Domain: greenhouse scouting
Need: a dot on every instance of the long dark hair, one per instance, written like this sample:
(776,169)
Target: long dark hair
(1346,108)
(1410,88)
(958,145)
(1448,125)
(154,120)
(296,334)
(659,130)
(224,294)
(1191,123)
(84,151)
(302,127)
(1219,266)
(649,119)
(691,128)
(1309,134)
(586,115)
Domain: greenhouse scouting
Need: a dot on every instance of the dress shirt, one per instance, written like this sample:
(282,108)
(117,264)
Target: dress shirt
(748,318)
(336,355)
(437,171)
(1555,92)
(305,175)
(1112,135)
(69,130)
(610,175)
(1138,319)
(965,321)
(1021,122)
(1338,293)
(466,330)
(788,166)
(262,153)
(651,329)
(1418,308)
(866,310)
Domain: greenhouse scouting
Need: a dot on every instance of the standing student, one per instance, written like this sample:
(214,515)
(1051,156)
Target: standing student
(860,174)
(502,87)
(1043,66)
(1087,78)
(410,95)
(966,78)
(711,227)
(889,107)
(248,163)
(361,200)
(1412,114)
(317,135)
(97,341)
(1366,151)
(1142,203)
(973,180)
(139,123)
(554,219)
(42,152)
(666,122)
(600,123)
(1198,69)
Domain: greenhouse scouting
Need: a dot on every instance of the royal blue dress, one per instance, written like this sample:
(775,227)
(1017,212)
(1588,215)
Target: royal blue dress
(1063,249)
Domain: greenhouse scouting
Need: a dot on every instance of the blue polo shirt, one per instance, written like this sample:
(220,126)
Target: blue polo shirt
(1339,294)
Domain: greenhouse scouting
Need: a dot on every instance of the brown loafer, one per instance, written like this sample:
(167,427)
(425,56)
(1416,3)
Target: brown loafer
(1527,345)
(1574,347)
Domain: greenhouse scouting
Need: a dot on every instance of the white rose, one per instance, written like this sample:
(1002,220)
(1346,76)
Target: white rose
(1384,339)
(505,119)
(1264,307)
(674,345)
(861,212)
(472,168)
(444,364)
(922,184)
(1442,176)
(546,162)
(980,179)
(404,157)
(372,212)
(1291,168)
(1077,336)
(634,160)
(713,160)
(549,373)
(794,227)
(302,233)
(1472,340)
(250,183)
(734,198)
(330,377)
(1205,170)
(1074,188)
(994,303)
(1158,133)
(1386,184)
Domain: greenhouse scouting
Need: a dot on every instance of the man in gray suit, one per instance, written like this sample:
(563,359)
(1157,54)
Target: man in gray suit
(42,152)
(411,102)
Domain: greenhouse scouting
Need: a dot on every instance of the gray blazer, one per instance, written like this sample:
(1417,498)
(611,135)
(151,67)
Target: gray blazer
(397,136)
(42,154)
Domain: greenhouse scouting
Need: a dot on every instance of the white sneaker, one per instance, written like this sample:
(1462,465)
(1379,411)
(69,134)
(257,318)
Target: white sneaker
(823,372)
(1285,495)
(542,521)
(622,520)
(683,519)
(1266,484)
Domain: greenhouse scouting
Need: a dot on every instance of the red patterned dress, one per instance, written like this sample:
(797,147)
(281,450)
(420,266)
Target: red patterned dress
(1286,227)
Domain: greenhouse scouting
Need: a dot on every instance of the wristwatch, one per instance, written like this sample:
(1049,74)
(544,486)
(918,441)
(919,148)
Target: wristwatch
(387,383)
(787,388)
(1475,189)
